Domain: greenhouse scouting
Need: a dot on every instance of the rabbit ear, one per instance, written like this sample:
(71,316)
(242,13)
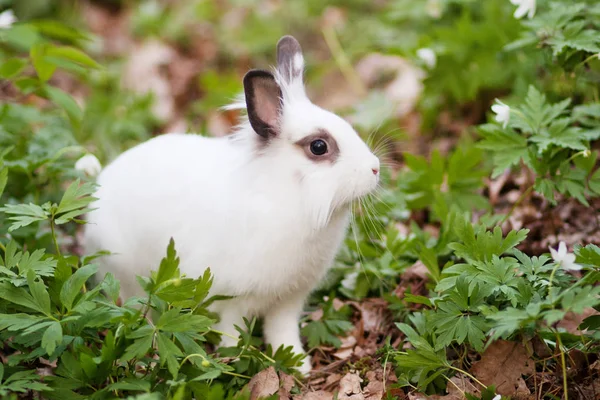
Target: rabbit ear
(263,102)
(290,62)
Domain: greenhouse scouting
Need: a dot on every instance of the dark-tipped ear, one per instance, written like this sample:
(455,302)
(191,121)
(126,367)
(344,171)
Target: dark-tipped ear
(263,102)
(290,62)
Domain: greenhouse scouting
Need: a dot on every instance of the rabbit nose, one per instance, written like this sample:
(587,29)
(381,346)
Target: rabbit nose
(375,171)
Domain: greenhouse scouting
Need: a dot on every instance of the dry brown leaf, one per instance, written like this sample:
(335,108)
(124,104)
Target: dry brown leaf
(317,314)
(144,73)
(502,365)
(571,321)
(417,271)
(332,381)
(373,313)
(458,385)
(286,383)
(350,387)
(317,395)
(346,349)
(264,384)
(374,389)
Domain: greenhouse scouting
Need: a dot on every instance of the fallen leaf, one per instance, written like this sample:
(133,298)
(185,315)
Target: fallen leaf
(374,389)
(332,381)
(417,271)
(350,387)
(317,395)
(571,321)
(264,384)
(346,349)
(144,73)
(458,386)
(503,364)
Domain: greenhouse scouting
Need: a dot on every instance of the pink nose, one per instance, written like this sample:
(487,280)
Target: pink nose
(375,171)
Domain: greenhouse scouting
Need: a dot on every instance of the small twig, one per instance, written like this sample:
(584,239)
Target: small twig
(467,374)
(251,347)
(564,366)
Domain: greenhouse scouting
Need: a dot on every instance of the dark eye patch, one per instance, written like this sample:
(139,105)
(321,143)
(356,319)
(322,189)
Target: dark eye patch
(333,151)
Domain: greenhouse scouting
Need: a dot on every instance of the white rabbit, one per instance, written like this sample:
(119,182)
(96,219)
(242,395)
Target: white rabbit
(265,208)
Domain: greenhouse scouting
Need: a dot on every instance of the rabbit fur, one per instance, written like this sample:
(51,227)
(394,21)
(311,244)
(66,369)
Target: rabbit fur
(258,207)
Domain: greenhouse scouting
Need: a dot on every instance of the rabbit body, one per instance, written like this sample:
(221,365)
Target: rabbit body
(222,211)
(266,212)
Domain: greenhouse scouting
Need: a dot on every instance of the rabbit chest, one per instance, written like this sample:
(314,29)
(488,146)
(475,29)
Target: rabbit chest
(261,255)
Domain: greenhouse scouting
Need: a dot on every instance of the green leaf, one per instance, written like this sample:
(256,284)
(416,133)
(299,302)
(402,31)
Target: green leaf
(39,292)
(168,351)
(18,296)
(52,337)
(429,258)
(594,182)
(12,67)
(131,384)
(34,262)
(3,179)
(65,101)
(89,366)
(72,287)
(18,322)
(324,332)
(508,147)
(173,321)
(111,286)
(24,214)
(72,54)
(74,200)
(588,255)
(591,322)
(168,266)
(138,348)
(44,69)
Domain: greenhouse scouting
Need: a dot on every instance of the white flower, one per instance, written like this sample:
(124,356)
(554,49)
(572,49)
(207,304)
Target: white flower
(427,56)
(497,397)
(7,18)
(349,282)
(525,7)
(587,153)
(502,112)
(565,259)
(88,164)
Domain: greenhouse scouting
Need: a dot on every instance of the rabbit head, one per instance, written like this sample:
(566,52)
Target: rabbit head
(329,159)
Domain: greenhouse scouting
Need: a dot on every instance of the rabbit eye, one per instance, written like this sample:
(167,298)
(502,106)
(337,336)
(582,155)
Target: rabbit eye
(318,147)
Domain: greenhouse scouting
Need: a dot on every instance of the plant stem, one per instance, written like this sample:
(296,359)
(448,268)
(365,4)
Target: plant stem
(342,60)
(552,275)
(190,356)
(53,231)
(251,347)
(519,200)
(468,375)
(235,374)
(147,306)
(564,366)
